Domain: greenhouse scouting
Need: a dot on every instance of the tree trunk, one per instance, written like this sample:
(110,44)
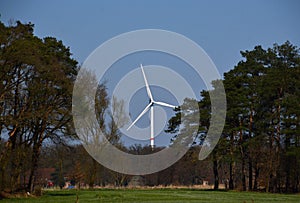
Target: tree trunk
(93,175)
(255,186)
(231,165)
(250,174)
(7,152)
(34,165)
(249,158)
(242,150)
(287,178)
(243,175)
(216,173)
(243,169)
(297,184)
(231,187)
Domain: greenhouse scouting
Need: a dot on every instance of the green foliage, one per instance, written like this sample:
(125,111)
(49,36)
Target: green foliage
(35,94)
(260,140)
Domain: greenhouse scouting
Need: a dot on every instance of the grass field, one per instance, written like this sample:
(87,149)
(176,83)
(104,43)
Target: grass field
(157,195)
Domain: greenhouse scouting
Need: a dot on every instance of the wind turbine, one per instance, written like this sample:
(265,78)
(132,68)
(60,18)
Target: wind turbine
(152,102)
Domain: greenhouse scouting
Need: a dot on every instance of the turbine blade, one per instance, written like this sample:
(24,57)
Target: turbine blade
(165,104)
(141,114)
(147,85)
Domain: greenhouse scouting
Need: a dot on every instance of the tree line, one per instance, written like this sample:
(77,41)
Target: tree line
(259,148)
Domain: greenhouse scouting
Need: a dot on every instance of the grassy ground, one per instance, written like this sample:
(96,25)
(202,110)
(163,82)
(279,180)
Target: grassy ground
(157,195)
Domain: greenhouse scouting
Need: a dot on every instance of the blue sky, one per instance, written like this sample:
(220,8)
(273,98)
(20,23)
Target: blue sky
(221,28)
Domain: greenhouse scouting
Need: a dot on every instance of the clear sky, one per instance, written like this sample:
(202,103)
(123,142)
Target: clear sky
(221,28)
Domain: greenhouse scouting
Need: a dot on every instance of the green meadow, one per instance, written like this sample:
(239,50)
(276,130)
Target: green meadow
(157,195)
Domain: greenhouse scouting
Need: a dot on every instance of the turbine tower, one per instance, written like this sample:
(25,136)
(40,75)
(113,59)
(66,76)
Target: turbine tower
(152,102)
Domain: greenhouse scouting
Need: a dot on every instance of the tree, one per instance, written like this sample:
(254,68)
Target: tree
(259,91)
(97,134)
(191,110)
(38,80)
(58,178)
(282,82)
(242,85)
(262,118)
